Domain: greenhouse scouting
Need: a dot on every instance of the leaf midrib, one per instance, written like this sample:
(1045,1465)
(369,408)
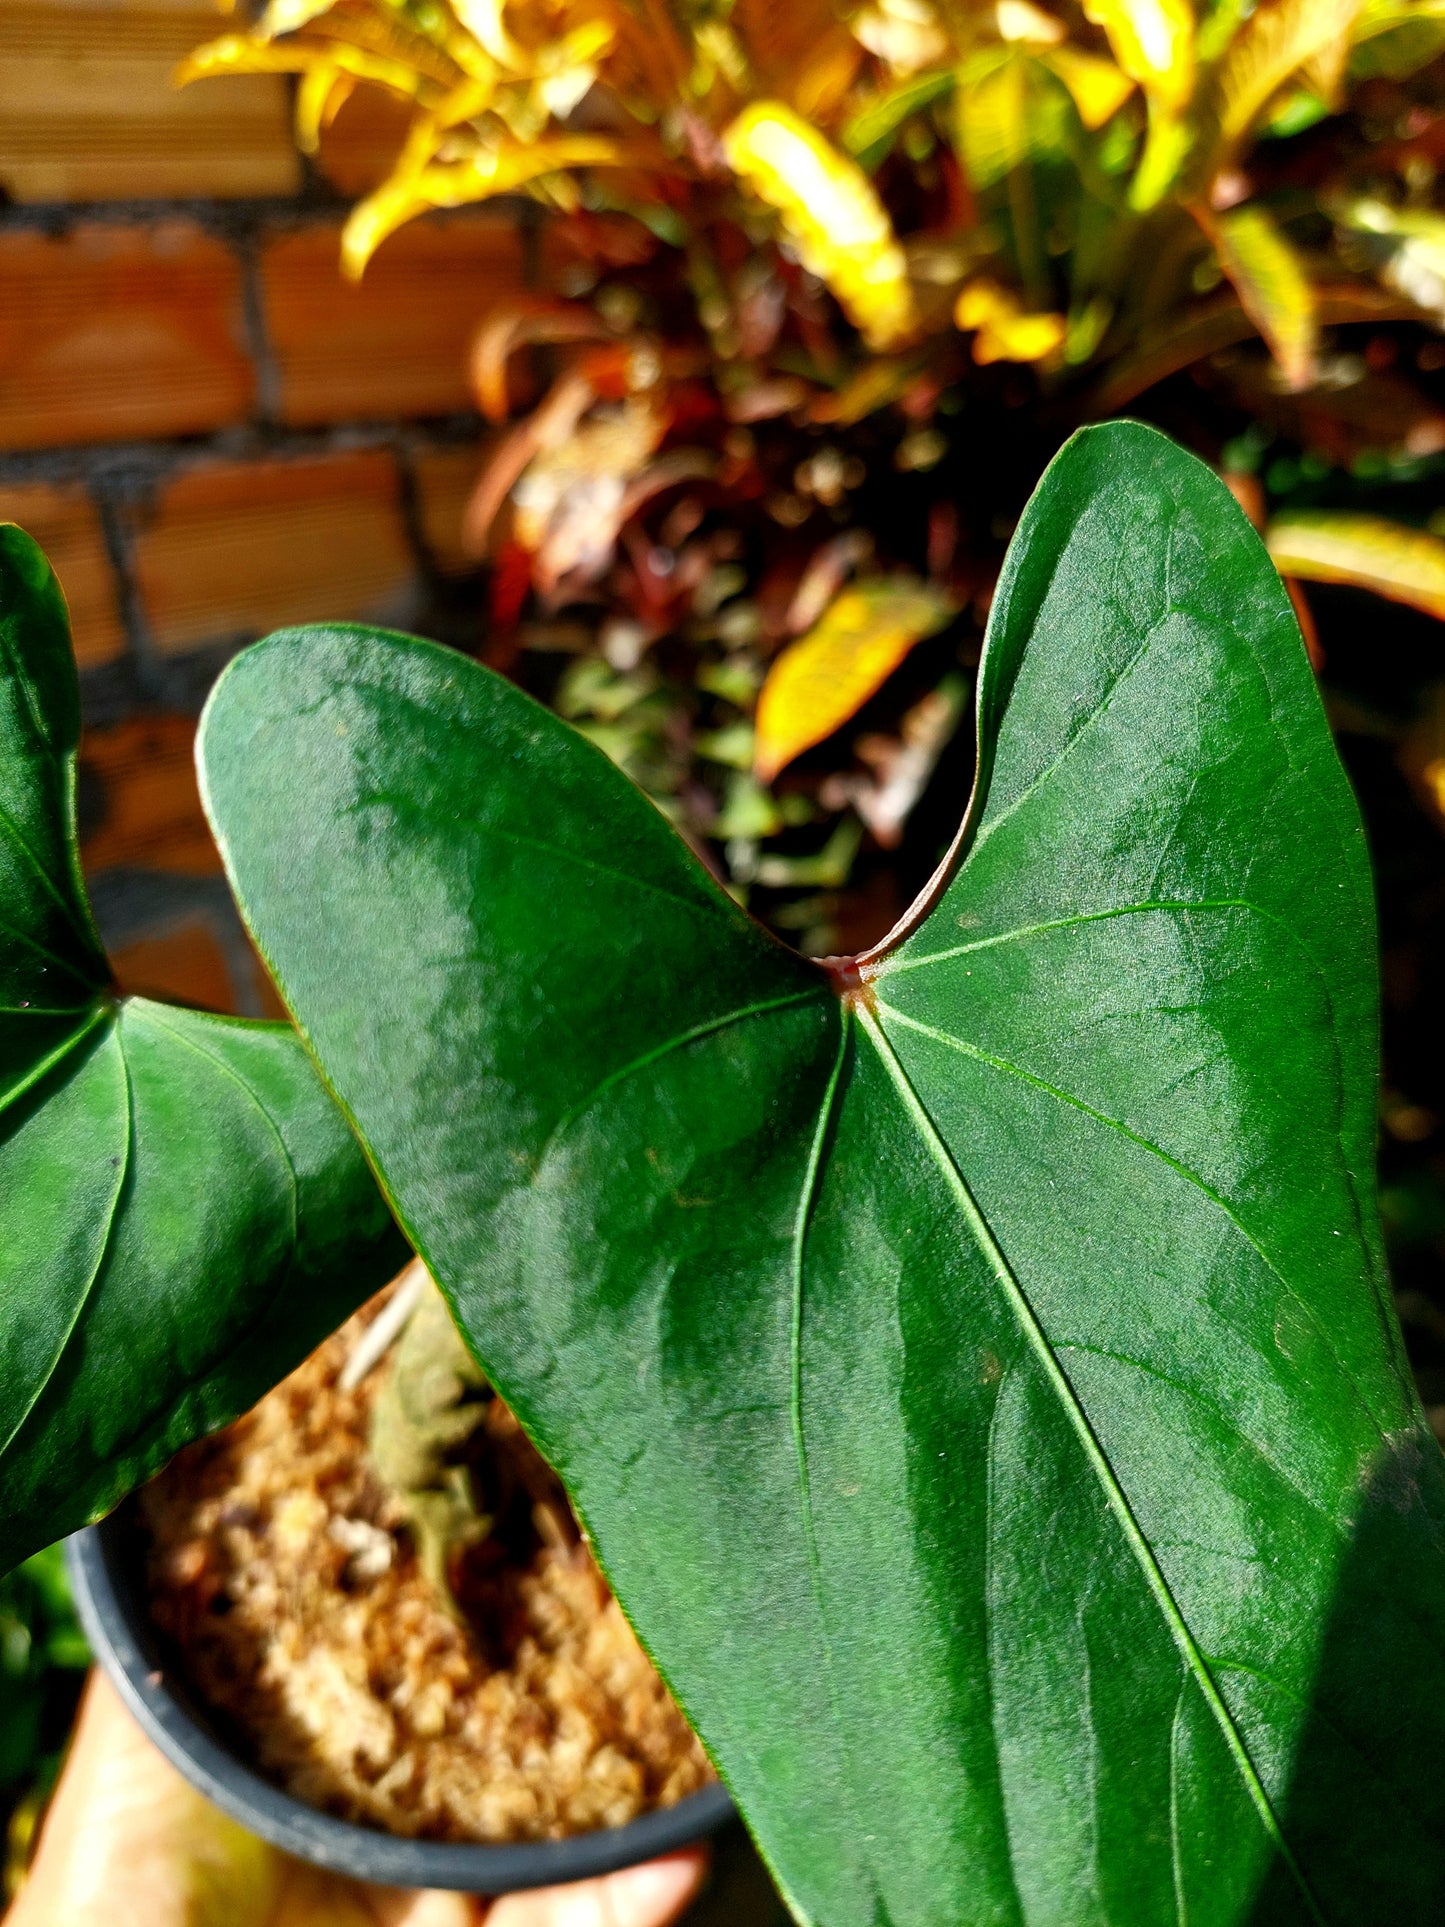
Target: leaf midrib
(98,1013)
(122,1166)
(1108,1480)
(1192,1177)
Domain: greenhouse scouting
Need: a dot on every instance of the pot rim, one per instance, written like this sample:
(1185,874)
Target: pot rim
(113,1611)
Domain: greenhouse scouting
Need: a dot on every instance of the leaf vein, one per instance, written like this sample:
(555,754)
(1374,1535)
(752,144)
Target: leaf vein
(148,1012)
(1191,1177)
(43,1066)
(1115,1496)
(683,1038)
(890,968)
(703,907)
(102,1253)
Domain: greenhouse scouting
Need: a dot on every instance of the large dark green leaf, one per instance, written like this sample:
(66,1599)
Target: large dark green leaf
(976,1367)
(183,1212)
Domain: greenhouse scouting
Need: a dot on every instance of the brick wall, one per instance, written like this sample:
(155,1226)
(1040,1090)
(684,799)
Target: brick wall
(210,432)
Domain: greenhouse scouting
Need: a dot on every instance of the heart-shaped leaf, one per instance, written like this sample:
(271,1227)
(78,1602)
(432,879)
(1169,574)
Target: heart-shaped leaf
(183,1212)
(975,1365)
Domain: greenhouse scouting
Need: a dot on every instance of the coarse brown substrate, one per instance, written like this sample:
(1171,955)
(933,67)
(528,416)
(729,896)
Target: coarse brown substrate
(285,1574)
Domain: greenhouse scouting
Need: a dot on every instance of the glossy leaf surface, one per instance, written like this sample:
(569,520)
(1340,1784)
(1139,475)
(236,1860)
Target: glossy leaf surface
(981,1385)
(183,1213)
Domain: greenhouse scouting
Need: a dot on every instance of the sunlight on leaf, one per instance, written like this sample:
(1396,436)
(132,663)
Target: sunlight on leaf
(1021,20)
(237,54)
(1365,551)
(1272,286)
(998,125)
(456,183)
(825,677)
(1395,38)
(1273,45)
(286,16)
(1153,42)
(830,212)
(1411,248)
(483,20)
(903,34)
(1098,87)
(1005,331)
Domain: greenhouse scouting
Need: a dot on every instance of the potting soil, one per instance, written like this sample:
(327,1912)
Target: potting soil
(285,1574)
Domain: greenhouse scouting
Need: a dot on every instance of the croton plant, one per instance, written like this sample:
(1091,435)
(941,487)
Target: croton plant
(816,288)
(972,1360)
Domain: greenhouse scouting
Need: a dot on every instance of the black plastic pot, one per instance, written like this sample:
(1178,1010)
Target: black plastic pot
(107,1574)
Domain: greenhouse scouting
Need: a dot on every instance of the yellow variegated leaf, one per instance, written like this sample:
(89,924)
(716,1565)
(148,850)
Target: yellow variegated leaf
(1170,139)
(1099,88)
(457,183)
(1005,331)
(826,676)
(999,122)
(1395,38)
(323,92)
(1272,46)
(236,53)
(830,213)
(1272,286)
(1153,42)
(1367,551)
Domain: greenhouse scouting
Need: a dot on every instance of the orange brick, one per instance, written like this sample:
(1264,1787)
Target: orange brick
(397,343)
(234,549)
(445,479)
(185,966)
(89,112)
(360,145)
(107,333)
(65,524)
(140,780)
(188,963)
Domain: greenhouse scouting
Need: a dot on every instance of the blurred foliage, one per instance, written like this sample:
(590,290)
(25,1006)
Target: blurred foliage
(818,290)
(821,288)
(43,1657)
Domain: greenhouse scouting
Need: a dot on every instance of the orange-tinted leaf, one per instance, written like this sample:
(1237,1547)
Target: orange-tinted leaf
(516,327)
(825,677)
(1367,551)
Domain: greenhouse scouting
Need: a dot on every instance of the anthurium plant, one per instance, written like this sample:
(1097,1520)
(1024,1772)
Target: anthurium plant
(183,1213)
(973,1359)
